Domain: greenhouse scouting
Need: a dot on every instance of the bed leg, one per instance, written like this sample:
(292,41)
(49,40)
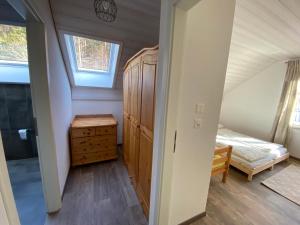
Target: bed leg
(288,159)
(225,174)
(272,167)
(250,176)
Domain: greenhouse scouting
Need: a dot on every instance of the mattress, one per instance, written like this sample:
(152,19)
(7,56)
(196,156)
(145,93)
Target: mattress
(274,155)
(257,152)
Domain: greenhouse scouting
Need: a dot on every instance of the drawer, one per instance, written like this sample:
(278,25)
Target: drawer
(84,158)
(82,132)
(94,148)
(104,148)
(107,130)
(104,140)
(82,142)
(82,149)
(93,144)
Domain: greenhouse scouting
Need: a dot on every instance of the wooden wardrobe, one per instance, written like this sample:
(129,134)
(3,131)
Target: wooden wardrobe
(139,102)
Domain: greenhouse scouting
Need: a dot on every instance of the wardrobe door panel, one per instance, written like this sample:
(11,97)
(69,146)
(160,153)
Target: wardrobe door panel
(135,92)
(134,152)
(126,91)
(148,95)
(126,138)
(145,167)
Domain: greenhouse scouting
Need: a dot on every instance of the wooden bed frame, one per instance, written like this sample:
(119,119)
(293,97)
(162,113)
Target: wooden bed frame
(253,171)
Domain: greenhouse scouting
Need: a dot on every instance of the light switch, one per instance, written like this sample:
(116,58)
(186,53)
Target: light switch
(200,108)
(197,123)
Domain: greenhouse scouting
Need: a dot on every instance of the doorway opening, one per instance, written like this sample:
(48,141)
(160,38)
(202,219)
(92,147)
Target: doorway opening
(17,126)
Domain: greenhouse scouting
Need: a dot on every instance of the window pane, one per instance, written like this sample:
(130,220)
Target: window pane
(13,43)
(297,112)
(297,107)
(92,54)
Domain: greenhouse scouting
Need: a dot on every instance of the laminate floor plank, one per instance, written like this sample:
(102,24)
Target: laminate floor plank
(239,202)
(99,194)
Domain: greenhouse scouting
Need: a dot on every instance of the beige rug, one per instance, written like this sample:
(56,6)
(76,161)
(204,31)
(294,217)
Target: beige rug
(286,183)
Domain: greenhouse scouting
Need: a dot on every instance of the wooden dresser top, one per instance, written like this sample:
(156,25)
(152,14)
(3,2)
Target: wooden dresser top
(93,121)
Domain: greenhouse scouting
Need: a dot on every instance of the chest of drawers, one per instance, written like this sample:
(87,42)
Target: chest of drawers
(93,139)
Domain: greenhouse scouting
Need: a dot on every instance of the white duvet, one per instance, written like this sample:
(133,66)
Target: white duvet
(245,147)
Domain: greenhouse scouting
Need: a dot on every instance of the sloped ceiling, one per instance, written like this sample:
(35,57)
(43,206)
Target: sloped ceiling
(8,15)
(264,32)
(136,26)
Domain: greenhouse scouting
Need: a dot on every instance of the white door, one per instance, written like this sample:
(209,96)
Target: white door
(8,210)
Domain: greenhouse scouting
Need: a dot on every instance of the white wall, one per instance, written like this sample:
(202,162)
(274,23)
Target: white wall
(251,107)
(294,142)
(206,43)
(99,101)
(60,92)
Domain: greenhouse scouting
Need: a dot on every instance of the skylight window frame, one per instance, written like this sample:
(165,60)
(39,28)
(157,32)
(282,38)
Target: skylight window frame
(69,54)
(13,63)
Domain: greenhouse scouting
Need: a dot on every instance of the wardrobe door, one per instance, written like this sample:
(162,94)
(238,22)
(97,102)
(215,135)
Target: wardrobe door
(146,135)
(126,114)
(134,119)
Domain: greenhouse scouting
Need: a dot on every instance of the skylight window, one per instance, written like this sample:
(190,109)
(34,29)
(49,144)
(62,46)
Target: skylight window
(13,54)
(13,44)
(91,54)
(92,62)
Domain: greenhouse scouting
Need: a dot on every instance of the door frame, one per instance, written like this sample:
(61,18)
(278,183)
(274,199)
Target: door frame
(162,91)
(42,112)
(39,82)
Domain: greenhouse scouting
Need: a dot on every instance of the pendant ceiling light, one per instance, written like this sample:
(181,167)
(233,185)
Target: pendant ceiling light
(106,10)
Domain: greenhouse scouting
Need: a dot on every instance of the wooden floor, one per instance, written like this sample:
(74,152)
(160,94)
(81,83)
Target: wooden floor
(99,194)
(240,202)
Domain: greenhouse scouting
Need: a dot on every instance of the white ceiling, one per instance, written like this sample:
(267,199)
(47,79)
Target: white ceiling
(136,26)
(264,32)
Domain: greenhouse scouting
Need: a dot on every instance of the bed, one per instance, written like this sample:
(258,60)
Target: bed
(249,154)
